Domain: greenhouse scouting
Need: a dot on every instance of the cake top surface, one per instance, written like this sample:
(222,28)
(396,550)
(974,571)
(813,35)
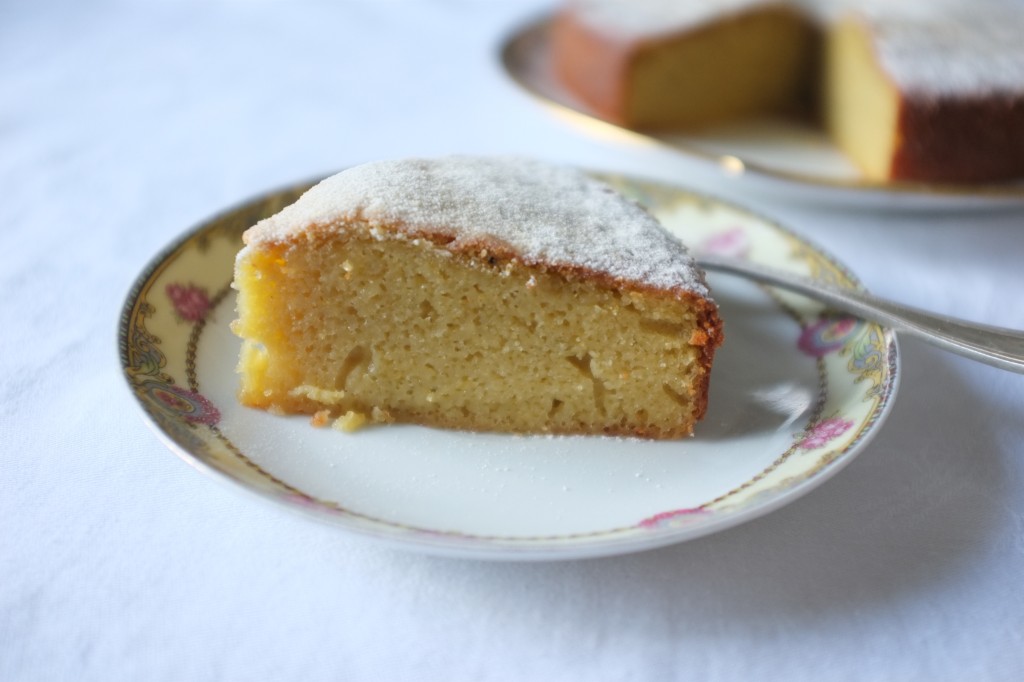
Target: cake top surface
(546,214)
(956,47)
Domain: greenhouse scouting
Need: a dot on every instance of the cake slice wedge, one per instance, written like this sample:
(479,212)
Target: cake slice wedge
(487,294)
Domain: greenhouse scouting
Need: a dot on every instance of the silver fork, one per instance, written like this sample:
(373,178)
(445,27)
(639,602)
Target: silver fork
(996,346)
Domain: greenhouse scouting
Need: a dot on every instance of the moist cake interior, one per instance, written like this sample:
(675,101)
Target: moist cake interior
(750,64)
(405,330)
(861,105)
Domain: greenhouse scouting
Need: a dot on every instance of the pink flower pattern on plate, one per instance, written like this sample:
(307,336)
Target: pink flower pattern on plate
(825,431)
(181,402)
(677,518)
(827,335)
(191,303)
(733,243)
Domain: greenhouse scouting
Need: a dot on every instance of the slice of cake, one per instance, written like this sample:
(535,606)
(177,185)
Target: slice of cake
(474,293)
(661,65)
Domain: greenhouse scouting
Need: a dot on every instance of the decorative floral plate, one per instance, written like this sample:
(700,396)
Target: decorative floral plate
(795,394)
(793,158)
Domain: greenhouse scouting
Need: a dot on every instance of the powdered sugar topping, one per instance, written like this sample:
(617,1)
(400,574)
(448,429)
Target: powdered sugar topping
(547,214)
(954,47)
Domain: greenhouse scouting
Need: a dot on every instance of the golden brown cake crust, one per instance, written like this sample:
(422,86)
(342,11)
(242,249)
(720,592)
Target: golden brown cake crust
(934,147)
(592,65)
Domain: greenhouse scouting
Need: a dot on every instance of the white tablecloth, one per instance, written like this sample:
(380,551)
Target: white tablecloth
(122,124)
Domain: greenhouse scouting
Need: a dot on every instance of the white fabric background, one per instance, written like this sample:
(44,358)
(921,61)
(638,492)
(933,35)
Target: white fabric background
(122,124)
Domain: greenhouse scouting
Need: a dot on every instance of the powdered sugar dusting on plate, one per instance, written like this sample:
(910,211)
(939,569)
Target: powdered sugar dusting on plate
(547,214)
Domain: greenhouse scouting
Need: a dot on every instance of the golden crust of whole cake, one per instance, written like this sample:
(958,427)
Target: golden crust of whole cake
(495,295)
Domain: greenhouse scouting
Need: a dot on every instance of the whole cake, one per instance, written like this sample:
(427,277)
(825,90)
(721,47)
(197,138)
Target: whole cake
(921,90)
(474,293)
